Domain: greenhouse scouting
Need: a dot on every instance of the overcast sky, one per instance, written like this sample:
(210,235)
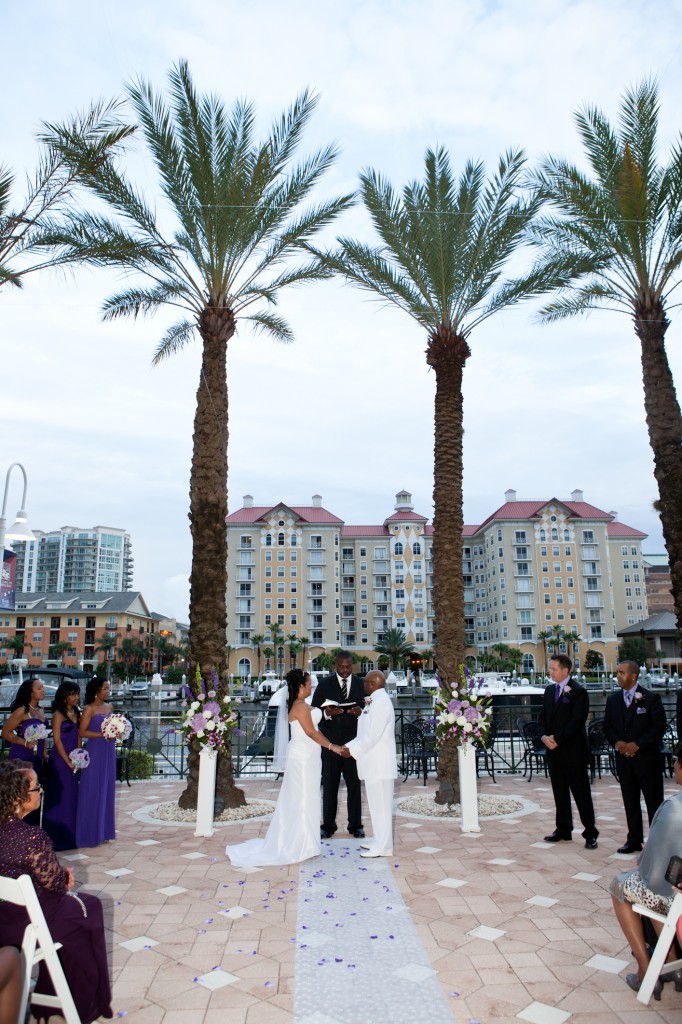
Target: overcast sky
(347,410)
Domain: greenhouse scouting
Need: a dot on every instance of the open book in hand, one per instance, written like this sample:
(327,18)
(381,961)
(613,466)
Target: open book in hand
(339,704)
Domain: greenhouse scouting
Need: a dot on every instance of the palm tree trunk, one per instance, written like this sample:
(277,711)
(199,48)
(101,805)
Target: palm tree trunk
(208,511)
(664,421)
(447,353)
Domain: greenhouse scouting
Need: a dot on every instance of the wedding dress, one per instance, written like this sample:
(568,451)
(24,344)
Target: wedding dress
(294,832)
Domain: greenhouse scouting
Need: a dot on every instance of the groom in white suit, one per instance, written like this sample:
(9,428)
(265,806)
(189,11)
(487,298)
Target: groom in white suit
(375,752)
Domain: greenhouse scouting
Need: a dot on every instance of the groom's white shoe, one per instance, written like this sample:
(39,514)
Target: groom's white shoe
(365,846)
(369,852)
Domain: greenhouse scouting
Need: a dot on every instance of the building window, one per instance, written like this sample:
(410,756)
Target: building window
(268,540)
(280,539)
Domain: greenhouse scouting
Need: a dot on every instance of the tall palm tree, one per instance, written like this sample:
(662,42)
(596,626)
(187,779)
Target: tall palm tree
(395,646)
(26,229)
(615,240)
(443,248)
(544,635)
(256,641)
(240,227)
(305,644)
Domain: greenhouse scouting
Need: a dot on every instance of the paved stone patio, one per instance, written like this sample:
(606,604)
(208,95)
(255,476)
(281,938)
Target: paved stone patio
(514,928)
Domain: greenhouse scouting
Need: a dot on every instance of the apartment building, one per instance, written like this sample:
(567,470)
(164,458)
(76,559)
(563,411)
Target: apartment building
(658,584)
(79,620)
(530,565)
(74,560)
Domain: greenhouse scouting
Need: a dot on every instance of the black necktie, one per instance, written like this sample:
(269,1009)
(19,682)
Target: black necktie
(344,688)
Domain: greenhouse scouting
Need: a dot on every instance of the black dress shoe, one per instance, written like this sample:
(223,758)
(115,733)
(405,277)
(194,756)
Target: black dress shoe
(630,848)
(591,844)
(325,833)
(359,833)
(556,837)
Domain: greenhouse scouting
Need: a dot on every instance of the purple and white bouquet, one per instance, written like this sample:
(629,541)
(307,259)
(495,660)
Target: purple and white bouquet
(79,758)
(209,718)
(34,733)
(464,713)
(116,727)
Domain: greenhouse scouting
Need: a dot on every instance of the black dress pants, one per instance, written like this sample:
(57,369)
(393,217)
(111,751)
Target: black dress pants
(639,777)
(333,767)
(567,780)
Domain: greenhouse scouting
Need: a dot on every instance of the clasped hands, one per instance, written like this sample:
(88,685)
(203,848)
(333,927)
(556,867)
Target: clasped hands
(626,749)
(341,751)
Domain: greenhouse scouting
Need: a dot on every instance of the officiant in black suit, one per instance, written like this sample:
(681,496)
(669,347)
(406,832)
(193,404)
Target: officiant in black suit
(635,722)
(565,707)
(340,725)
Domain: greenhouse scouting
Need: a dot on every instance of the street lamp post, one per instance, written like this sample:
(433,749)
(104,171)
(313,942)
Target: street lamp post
(19,530)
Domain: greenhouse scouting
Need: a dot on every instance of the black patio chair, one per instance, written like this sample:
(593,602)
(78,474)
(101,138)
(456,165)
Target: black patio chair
(668,747)
(485,752)
(600,748)
(123,750)
(534,750)
(416,755)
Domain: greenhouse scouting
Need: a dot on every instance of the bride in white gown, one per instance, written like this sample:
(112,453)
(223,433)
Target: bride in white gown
(294,832)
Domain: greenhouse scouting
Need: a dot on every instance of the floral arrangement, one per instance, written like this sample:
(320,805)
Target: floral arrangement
(207,720)
(79,758)
(116,727)
(34,733)
(463,714)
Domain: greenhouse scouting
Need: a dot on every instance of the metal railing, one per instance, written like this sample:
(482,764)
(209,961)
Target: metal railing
(162,750)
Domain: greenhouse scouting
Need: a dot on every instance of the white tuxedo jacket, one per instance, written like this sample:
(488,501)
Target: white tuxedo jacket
(374,747)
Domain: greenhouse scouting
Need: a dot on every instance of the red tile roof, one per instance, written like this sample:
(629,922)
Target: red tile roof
(306,513)
(364,531)
(406,516)
(531,509)
(621,530)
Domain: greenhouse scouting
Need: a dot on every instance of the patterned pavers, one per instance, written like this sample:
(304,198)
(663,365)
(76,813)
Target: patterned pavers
(211,943)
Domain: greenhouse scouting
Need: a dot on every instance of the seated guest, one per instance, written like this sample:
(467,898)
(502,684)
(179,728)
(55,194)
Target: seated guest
(75,921)
(10,984)
(647,885)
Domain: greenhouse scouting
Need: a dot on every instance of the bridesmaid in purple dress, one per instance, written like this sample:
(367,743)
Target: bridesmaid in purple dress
(96,813)
(25,711)
(61,787)
(74,920)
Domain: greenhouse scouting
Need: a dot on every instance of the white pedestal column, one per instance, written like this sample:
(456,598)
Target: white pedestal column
(208,760)
(468,787)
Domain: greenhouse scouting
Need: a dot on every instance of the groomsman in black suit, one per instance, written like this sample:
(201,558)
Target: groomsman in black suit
(634,722)
(564,712)
(340,725)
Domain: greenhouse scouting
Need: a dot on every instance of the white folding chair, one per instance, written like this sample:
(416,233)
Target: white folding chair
(657,965)
(37,946)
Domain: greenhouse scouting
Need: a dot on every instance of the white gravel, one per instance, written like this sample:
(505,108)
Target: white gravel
(171,812)
(488,807)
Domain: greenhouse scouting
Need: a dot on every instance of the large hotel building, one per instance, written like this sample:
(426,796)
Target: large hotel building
(529,566)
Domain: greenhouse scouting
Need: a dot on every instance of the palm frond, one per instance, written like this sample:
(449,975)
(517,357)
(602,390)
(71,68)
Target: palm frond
(174,340)
(136,301)
(268,322)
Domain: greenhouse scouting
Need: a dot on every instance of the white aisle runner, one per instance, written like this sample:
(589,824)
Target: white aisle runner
(358,955)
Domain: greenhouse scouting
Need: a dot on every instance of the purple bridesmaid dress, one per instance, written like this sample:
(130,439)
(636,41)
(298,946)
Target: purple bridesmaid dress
(61,792)
(96,812)
(33,757)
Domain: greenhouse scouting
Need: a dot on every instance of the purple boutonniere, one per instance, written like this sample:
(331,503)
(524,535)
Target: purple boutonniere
(638,695)
(567,689)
